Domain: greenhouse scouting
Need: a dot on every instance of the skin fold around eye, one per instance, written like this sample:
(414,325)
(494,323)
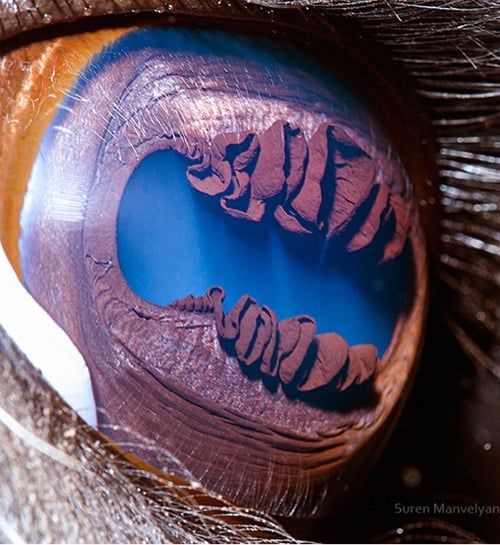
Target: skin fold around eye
(83,194)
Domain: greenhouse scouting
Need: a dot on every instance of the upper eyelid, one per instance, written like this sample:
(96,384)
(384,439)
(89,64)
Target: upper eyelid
(20,16)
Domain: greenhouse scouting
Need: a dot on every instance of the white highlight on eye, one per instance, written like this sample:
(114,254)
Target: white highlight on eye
(45,344)
(68,205)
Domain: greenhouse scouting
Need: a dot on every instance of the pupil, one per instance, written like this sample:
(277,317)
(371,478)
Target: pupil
(173,241)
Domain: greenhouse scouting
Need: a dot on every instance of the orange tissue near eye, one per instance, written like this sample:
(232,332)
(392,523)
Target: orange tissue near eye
(37,76)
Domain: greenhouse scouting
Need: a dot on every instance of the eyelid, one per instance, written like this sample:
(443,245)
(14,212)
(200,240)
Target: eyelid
(21,17)
(44,343)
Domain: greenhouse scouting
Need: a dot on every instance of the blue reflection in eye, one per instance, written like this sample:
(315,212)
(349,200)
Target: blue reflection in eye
(174,241)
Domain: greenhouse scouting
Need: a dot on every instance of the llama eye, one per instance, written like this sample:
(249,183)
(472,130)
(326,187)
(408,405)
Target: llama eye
(225,230)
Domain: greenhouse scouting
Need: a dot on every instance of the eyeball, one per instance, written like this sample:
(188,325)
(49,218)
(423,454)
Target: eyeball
(227,231)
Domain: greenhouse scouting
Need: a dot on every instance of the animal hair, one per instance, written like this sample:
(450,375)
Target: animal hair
(61,481)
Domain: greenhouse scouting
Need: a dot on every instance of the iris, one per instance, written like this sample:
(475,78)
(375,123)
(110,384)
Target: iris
(205,159)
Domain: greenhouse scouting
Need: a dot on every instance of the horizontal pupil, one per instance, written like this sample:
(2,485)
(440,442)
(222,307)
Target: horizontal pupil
(174,241)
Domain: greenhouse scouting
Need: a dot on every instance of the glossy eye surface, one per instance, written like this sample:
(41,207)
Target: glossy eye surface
(227,234)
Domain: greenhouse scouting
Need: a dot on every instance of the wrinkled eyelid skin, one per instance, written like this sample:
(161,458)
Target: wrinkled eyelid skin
(409,157)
